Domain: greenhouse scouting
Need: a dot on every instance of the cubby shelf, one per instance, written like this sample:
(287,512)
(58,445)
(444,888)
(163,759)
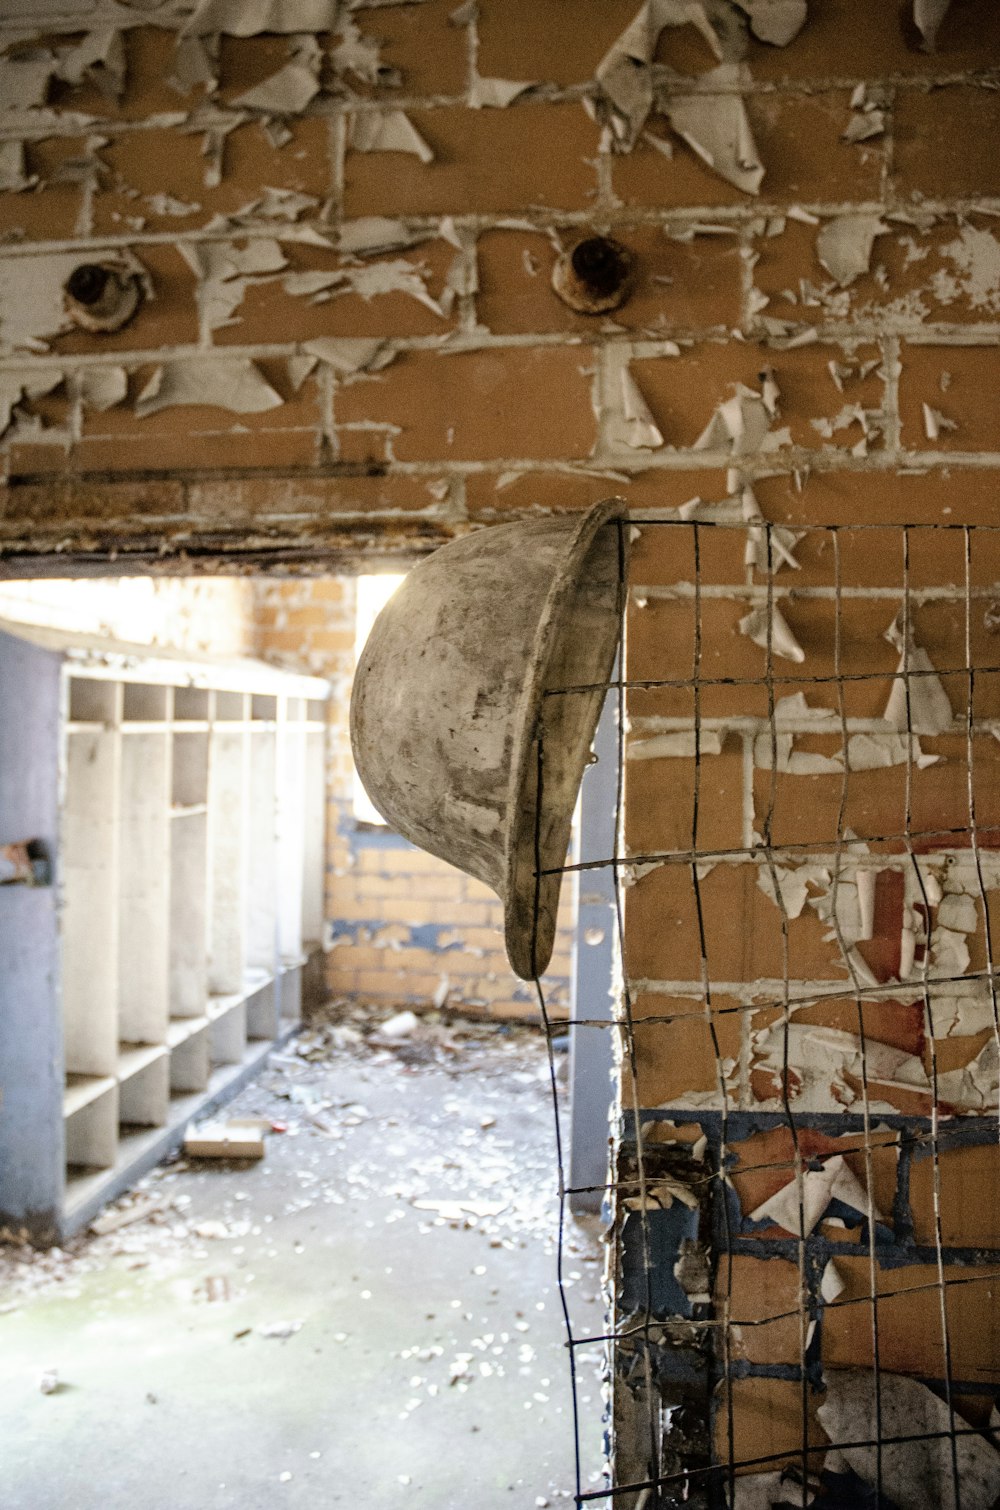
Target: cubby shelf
(182,800)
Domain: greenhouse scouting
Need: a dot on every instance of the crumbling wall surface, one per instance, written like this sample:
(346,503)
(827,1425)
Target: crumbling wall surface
(335,225)
(403,927)
(807,1250)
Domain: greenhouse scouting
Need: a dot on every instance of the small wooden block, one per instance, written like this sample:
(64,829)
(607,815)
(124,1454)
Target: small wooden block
(224,1142)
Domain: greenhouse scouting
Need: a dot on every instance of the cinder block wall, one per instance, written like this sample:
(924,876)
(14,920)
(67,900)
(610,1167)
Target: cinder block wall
(404,928)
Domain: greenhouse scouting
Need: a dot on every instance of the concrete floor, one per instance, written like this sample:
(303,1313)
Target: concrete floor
(424,1361)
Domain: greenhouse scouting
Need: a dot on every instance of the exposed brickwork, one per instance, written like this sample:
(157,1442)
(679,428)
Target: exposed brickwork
(404,927)
(487,399)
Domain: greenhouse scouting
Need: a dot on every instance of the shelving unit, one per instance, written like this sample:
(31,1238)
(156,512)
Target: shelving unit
(182,800)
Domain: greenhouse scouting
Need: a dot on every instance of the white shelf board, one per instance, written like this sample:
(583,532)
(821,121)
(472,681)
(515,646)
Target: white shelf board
(182,1028)
(81,1090)
(133,1057)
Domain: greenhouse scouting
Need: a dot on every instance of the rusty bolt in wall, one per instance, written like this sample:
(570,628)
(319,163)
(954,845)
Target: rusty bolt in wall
(594,276)
(102,296)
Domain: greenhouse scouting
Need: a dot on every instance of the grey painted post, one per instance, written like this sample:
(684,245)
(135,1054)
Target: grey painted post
(31,1069)
(591,1057)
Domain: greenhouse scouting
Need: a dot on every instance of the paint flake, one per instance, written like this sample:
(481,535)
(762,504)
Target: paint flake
(102,388)
(497,94)
(834,1182)
(844,245)
(779,638)
(233,383)
(248,18)
(928,16)
(919,1468)
(388,131)
(717,128)
(927,710)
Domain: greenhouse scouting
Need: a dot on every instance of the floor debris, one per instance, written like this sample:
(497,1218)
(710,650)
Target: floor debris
(393,1269)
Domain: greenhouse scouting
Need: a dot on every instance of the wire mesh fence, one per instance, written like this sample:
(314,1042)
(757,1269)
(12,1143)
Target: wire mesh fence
(806,872)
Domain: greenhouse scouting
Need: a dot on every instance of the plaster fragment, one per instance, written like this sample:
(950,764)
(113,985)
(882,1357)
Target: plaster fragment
(792,885)
(233,383)
(630,422)
(291,89)
(195,63)
(958,913)
(844,245)
(17,384)
(464,15)
(685,743)
(863,126)
(831,1284)
(873,752)
(762,1491)
(974,1087)
(299,368)
(348,355)
(497,94)
(834,1182)
(927,710)
(13,178)
(24,80)
(102,388)
(226,270)
(248,18)
(782,540)
(388,131)
(920,1468)
(866,882)
(717,128)
(928,15)
(100,57)
(779,638)
(776,21)
(935,422)
(625,72)
(826,1070)
(373,234)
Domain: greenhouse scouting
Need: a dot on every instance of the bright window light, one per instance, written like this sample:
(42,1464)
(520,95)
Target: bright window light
(373,594)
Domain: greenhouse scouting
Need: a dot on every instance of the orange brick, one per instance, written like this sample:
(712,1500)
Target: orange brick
(943,141)
(659,802)
(958,381)
(798,139)
(662,933)
(286,447)
(683,391)
(269,313)
(429,52)
(51,211)
(458,406)
(854,39)
(678,286)
(678,1057)
(967,1220)
(765,1305)
(149,61)
(467,146)
(949,494)
(154,160)
(561,43)
(762,1419)
(910,1332)
(916,274)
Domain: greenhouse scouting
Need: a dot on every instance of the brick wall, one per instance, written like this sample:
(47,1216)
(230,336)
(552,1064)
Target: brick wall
(356,351)
(404,927)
